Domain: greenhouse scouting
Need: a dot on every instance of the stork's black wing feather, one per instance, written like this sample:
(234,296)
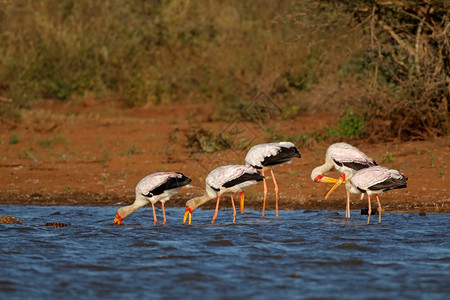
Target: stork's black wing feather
(353,165)
(390,184)
(285,155)
(171,183)
(243,178)
(356,166)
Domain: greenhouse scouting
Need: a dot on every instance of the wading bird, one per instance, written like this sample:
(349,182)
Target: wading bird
(373,181)
(263,157)
(344,158)
(225,179)
(151,189)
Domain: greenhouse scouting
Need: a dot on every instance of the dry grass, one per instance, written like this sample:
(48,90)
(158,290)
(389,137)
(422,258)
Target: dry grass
(159,52)
(305,55)
(407,67)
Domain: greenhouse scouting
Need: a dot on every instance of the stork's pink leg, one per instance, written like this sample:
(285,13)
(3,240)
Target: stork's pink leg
(234,208)
(217,208)
(379,209)
(265,193)
(276,192)
(370,209)
(164,214)
(154,214)
(347,207)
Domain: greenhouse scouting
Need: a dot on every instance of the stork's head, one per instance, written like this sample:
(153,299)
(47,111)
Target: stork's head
(317,176)
(118,219)
(188,212)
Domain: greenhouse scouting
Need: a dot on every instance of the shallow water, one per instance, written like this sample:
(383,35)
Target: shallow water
(302,254)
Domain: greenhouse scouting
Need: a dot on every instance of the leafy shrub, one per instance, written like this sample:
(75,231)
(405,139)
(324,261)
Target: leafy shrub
(14,138)
(56,139)
(387,157)
(200,140)
(406,68)
(350,125)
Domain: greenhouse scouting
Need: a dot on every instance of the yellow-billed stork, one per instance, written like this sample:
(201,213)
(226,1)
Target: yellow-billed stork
(265,156)
(344,158)
(224,179)
(372,181)
(151,189)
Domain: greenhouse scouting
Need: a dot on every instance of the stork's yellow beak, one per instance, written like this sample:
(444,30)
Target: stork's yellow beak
(241,201)
(187,212)
(337,183)
(325,179)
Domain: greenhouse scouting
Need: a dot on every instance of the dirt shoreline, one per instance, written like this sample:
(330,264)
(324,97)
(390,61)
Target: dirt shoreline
(89,199)
(94,153)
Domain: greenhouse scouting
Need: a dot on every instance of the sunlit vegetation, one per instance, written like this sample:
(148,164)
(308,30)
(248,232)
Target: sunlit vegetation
(131,150)
(406,68)
(432,158)
(350,125)
(49,143)
(200,140)
(386,60)
(105,158)
(387,157)
(14,138)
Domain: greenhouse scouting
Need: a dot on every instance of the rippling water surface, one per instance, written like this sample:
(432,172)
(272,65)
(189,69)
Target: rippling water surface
(302,254)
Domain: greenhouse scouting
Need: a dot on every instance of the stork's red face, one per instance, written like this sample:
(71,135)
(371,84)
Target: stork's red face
(188,212)
(325,179)
(118,219)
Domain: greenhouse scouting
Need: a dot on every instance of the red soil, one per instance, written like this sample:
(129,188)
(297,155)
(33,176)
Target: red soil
(94,153)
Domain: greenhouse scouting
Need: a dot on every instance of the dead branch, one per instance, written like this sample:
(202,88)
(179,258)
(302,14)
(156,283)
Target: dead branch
(4,99)
(374,39)
(392,3)
(417,46)
(398,39)
(430,26)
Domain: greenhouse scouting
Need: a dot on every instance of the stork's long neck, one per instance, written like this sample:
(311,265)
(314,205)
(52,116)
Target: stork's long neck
(327,166)
(196,202)
(348,184)
(126,210)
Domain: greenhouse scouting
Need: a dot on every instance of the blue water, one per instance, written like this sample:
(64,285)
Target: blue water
(301,255)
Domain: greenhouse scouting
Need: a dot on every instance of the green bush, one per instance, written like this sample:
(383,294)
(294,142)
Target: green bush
(350,125)
(14,138)
(199,140)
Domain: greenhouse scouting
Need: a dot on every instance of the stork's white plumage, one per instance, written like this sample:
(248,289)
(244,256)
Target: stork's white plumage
(373,181)
(151,189)
(264,156)
(225,179)
(344,158)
